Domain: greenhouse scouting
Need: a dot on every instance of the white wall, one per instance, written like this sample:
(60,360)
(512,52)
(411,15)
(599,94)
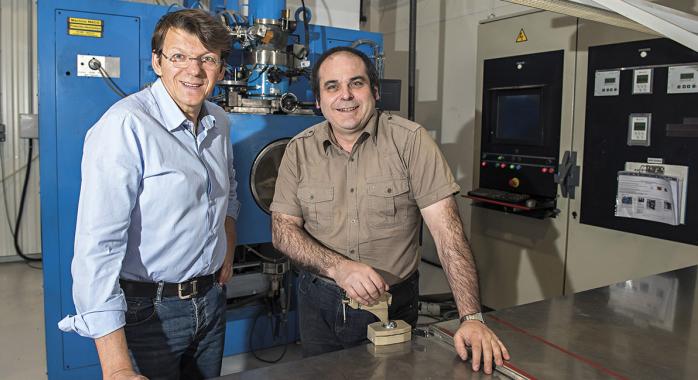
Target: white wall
(18,94)
(445,73)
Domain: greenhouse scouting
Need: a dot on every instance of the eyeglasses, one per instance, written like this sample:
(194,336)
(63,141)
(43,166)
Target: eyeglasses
(181,61)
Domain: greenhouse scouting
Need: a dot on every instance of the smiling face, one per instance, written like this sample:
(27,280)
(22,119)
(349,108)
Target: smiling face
(346,98)
(189,86)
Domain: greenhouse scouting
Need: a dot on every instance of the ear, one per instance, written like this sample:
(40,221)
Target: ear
(317,103)
(221,74)
(155,62)
(376,93)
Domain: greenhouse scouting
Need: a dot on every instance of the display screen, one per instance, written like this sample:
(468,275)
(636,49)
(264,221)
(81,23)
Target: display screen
(642,78)
(518,119)
(640,126)
(610,80)
(686,76)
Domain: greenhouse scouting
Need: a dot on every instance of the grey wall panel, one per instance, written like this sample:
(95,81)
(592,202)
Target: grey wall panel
(18,95)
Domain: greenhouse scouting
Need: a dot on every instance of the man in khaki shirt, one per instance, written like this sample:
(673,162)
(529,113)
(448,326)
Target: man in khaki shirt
(347,207)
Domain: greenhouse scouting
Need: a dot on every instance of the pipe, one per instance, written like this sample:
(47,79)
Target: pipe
(412,60)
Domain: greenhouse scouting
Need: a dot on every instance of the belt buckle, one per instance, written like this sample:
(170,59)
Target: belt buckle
(183,286)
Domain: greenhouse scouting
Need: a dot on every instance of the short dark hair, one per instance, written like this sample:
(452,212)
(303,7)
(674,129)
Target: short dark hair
(211,32)
(370,68)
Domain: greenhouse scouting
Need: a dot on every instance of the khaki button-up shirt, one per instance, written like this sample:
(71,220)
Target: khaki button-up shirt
(365,204)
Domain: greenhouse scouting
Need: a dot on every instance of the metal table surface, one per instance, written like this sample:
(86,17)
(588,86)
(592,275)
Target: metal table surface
(421,358)
(637,329)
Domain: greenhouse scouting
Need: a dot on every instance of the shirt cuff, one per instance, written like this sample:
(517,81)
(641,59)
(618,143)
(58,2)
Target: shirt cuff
(94,324)
(233,209)
(286,209)
(437,195)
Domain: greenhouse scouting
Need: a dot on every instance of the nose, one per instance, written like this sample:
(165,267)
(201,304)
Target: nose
(346,93)
(194,66)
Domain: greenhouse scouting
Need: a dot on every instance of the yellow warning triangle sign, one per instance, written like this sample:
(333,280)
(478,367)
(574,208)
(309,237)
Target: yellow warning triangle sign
(521,37)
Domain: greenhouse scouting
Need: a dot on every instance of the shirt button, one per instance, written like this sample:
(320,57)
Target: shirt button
(390,190)
(351,159)
(312,197)
(352,251)
(353,221)
(351,190)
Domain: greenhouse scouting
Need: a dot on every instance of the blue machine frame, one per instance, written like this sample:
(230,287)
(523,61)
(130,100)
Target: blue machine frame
(69,105)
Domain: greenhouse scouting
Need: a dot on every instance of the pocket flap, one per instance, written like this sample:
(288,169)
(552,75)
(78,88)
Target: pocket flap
(314,194)
(387,188)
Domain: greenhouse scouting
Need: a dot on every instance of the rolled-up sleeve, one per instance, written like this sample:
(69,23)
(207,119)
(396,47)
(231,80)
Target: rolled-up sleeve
(286,191)
(430,176)
(111,176)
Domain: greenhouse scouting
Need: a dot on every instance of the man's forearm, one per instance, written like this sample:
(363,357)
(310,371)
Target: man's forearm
(295,243)
(457,260)
(113,353)
(231,234)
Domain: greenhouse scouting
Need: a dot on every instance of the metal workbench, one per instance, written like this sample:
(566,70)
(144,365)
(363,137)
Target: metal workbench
(637,329)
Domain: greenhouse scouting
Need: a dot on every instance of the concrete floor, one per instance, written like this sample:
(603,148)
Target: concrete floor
(22,353)
(22,350)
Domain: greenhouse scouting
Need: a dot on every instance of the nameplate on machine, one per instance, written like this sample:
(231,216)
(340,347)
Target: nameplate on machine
(85,27)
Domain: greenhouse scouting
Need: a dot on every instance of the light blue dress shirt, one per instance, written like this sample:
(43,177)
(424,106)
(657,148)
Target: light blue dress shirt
(153,203)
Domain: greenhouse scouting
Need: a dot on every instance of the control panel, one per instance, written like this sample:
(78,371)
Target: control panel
(682,79)
(642,81)
(607,83)
(639,125)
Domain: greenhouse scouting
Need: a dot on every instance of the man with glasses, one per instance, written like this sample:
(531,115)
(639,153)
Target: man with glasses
(155,231)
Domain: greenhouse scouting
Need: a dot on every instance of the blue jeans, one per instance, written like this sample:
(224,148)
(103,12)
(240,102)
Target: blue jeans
(323,327)
(170,338)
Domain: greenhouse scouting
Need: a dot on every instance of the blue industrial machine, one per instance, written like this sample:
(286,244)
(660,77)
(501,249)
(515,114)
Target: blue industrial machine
(268,97)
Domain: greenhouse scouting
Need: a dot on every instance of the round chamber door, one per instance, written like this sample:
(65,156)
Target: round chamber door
(264,172)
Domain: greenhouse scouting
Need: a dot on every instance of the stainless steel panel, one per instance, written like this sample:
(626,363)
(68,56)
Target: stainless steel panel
(637,329)
(421,358)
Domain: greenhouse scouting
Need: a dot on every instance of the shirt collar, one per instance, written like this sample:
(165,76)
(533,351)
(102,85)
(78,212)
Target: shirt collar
(325,132)
(172,116)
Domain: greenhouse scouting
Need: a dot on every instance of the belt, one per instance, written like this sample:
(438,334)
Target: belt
(195,287)
(329,281)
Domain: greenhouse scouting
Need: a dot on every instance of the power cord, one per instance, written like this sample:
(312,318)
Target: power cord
(23,198)
(95,64)
(437,311)
(281,322)
(3,178)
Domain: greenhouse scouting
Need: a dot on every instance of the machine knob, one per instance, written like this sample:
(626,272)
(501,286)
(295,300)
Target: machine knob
(289,102)
(514,182)
(275,75)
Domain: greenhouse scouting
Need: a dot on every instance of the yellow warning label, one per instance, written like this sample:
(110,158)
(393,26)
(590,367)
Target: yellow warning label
(87,21)
(521,37)
(86,27)
(84,33)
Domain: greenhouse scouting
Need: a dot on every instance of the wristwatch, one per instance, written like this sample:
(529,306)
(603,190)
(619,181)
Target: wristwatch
(472,317)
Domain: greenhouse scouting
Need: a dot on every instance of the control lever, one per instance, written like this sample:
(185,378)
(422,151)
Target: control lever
(568,175)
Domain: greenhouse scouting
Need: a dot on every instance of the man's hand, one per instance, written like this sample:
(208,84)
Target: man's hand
(114,358)
(126,375)
(483,344)
(361,282)
(226,271)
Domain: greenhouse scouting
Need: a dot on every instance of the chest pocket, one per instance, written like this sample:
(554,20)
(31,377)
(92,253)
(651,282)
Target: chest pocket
(388,201)
(316,205)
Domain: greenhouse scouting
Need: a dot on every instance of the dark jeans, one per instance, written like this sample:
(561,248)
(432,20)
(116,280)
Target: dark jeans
(170,338)
(322,325)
